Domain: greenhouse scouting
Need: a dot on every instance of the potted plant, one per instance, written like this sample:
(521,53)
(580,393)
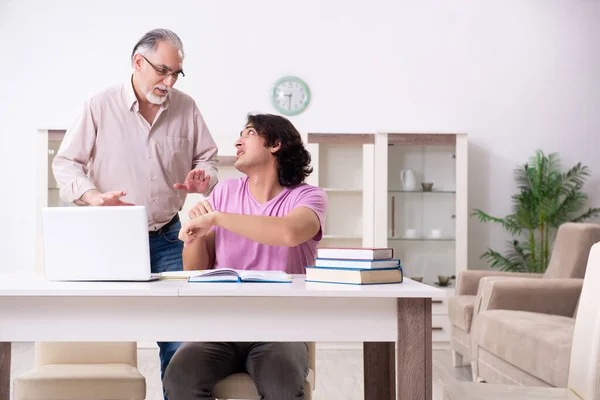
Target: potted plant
(546,198)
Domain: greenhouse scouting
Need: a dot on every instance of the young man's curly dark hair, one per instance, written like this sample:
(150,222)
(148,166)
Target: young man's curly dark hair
(293,160)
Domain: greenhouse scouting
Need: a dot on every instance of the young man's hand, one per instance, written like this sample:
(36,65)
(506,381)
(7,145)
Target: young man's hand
(195,182)
(200,208)
(195,228)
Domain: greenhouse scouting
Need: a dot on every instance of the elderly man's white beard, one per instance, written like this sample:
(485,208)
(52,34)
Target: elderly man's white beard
(158,100)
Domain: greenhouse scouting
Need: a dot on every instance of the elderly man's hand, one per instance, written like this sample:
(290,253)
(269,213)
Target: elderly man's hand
(196,182)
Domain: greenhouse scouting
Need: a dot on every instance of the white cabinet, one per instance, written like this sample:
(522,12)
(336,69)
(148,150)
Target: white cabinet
(343,167)
(371,206)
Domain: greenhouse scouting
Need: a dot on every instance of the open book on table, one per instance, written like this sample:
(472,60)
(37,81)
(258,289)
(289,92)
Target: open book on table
(235,275)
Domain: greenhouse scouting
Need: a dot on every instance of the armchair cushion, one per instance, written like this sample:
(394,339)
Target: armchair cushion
(548,296)
(571,250)
(460,311)
(537,343)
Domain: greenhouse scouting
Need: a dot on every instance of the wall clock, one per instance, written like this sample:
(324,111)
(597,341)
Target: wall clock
(290,95)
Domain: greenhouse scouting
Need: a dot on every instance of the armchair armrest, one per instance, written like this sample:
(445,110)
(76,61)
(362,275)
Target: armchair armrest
(547,296)
(468,281)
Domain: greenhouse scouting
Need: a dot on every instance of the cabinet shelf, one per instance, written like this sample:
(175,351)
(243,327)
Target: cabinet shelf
(422,191)
(342,190)
(423,239)
(342,237)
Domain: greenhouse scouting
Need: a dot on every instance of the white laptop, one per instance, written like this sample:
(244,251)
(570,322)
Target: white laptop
(96,244)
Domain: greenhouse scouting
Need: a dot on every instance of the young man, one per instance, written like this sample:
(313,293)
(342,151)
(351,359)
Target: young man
(142,142)
(269,219)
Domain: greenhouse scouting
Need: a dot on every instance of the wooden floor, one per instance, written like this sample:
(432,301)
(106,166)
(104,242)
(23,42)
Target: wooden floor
(339,372)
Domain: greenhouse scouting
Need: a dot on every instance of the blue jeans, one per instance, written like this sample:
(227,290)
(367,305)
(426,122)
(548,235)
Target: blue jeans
(165,255)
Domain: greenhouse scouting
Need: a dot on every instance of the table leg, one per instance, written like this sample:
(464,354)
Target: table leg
(415,366)
(379,359)
(5,348)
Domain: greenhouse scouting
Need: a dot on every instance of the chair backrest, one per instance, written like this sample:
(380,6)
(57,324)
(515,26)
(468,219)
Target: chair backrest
(571,249)
(85,353)
(584,370)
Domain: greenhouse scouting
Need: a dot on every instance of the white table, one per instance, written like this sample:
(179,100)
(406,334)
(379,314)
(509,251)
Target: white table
(32,309)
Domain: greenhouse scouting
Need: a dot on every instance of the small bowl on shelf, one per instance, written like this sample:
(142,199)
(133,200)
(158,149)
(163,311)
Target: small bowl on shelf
(427,186)
(443,281)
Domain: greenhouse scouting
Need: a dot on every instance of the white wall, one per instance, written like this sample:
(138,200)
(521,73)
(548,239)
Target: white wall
(514,74)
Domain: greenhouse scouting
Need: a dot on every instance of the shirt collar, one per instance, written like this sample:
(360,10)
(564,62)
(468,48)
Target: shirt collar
(131,99)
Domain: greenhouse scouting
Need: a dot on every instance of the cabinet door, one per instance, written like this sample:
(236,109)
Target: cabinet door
(421,206)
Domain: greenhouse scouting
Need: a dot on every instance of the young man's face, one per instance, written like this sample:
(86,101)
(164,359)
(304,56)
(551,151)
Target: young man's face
(251,150)
(158,72)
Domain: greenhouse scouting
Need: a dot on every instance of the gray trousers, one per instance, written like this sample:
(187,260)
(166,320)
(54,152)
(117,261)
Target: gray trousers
(278,369)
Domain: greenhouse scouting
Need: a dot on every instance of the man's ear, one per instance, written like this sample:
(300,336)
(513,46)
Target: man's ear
(275,147)
(137,61)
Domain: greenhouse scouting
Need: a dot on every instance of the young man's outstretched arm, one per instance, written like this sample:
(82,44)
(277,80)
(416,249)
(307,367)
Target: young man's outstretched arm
(298,226)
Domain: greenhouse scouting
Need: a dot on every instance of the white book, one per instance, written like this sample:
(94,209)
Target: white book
(356,277)
(359,253)
(233,275)
(356,264)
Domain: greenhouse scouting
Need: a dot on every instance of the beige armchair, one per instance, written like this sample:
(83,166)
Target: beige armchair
(522,331)
(583,381)
(568,260)
(240,386)
(87,370)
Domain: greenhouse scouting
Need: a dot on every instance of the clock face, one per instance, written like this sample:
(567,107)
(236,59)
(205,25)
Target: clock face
(290,95)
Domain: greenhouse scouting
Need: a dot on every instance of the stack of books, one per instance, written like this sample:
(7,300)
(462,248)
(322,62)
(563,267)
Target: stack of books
(358,266)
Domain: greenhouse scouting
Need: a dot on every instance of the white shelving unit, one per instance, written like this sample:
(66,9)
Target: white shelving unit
(361,175)
(343,167)
(426,229)
(48,143)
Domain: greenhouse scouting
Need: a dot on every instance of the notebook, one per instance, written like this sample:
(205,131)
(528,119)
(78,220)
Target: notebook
(233,275)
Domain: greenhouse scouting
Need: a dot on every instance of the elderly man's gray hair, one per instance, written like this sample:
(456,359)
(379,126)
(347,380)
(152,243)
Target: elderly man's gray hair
(149,42)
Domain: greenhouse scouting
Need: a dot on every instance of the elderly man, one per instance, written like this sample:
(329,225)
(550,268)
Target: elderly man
(145,143)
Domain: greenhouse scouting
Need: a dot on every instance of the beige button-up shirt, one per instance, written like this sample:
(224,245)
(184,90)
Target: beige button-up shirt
(112,147)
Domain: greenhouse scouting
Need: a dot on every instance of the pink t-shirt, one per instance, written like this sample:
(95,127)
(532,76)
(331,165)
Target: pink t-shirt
(235,251)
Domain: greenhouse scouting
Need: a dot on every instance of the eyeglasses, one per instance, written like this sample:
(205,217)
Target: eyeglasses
(162,71)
